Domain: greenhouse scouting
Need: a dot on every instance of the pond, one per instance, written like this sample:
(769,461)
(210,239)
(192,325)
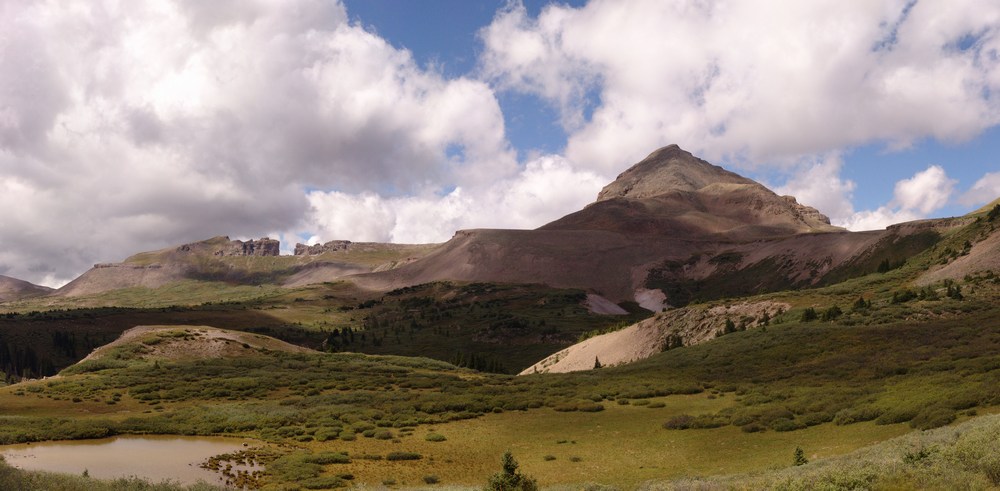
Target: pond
(153,458)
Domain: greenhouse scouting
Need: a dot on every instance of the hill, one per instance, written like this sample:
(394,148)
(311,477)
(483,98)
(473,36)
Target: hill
(252,262)
(13,289)
(181,342)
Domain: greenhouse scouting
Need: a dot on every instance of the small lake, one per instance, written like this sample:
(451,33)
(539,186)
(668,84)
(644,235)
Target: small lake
(153,458)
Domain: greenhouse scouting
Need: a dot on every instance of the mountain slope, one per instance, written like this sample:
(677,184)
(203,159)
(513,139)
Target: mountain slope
(672,193)
(251,262)
(12,289)
(671,230)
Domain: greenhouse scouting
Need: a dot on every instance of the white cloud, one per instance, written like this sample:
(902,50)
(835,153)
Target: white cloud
(548,188)
(926,191)
(985,190)
(914,198)
(819,185)
(128,126)
(760,81)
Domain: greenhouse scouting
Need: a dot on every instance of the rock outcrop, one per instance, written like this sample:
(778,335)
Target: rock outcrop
(222,246)
(317,249)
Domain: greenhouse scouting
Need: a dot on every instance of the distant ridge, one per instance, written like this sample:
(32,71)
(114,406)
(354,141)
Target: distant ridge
(13,289)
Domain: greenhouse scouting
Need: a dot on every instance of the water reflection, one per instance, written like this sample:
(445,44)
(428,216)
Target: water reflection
(154,458)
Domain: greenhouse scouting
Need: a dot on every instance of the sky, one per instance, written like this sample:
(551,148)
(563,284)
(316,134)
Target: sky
(133,126)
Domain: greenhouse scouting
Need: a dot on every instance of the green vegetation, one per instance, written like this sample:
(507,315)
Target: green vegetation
(963,457)
(510,478)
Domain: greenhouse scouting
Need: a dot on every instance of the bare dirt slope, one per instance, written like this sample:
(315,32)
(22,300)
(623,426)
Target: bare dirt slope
(12,289)
(983,256)
(686,326)
(174,342)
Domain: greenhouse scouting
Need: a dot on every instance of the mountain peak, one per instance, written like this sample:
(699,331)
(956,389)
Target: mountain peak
(668,169)
(674,193)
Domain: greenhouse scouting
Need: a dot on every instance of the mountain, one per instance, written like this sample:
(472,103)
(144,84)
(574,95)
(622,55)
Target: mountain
(673,193)
(241,262)
(670,230)
(12,289)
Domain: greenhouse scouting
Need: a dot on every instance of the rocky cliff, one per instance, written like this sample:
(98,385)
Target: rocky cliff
(264,246)
(317,249)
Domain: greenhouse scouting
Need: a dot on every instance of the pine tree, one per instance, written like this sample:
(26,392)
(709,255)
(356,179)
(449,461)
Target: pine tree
(800,457)
(597,363)
(510,479)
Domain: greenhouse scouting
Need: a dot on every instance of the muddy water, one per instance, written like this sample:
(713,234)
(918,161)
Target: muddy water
(154,458)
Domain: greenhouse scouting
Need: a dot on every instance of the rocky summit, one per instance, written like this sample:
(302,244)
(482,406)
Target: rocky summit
(671,192)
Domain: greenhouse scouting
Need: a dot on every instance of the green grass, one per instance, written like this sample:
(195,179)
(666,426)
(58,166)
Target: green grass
(763,391)
(959,457)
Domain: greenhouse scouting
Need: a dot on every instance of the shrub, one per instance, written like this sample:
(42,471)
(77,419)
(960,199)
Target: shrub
(549,458)
(431,479)
(403,456)
(326,458)
(932,417)
(856,415)
(587,407)
(509,478)
(785,424)
(435,437)
(679,422)
(809,314)
(896,415)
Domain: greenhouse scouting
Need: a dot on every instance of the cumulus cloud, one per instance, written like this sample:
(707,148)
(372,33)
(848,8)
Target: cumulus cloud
(819,185)
(548,188)
(985,190)
(914,198)
(769,81)
(126,126)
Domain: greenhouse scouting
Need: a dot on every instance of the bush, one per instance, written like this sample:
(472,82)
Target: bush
(856,415)
(679,422)
(785,424)
(896,415)
(431,479)
(435,437)
(403,456)
(933,417)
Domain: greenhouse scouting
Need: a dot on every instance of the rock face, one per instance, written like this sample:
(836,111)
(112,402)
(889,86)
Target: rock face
(261,247)
(317,249)
(665,170)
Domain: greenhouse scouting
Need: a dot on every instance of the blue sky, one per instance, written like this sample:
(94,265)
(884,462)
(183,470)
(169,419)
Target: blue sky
(447,37)
(132,126)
